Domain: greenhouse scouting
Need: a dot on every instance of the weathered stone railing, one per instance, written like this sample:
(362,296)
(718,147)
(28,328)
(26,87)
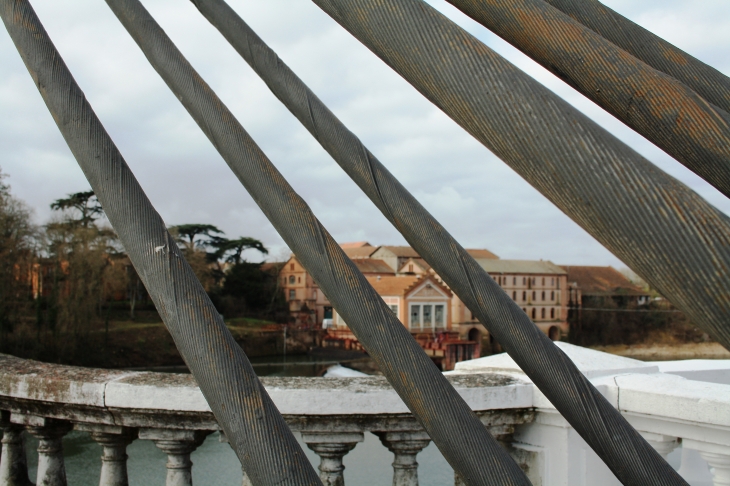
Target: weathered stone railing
(118,407)
(680,404)
(683,405)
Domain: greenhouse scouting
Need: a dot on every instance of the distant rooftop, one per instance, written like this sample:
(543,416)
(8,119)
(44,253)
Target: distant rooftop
(371,265)
(601,281)
(537,267)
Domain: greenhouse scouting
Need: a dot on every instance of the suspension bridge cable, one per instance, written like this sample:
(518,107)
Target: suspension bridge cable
(665,232)
(597,421)
(454,428)
(263,442)
(656,105)
(650,48)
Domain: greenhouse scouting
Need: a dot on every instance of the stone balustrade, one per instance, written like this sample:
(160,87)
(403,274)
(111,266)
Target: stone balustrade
(681,408)
(118,407)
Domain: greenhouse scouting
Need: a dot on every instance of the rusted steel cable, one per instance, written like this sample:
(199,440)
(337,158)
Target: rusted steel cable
(263,442)
(650,48)
(454,428)
(601,425)
(660,228)
(664,231)
(656,105)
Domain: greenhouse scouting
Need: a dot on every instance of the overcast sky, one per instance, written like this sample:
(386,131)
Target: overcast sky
(478,198)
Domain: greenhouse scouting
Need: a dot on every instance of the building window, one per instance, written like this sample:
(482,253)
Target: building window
(427,315)
(524,281)
(314,294)
(415,316)
(543,281)
(291,267)
(300,279)
(292,294)
(292,280)
(410,268)
(534,313)
(514,280)
(394,308)
(534,295)
(552,295)
(524,310)
(543,296)
(552,313)
(552,281)
(514,295)
(542,313)
(438,315)
(524,296)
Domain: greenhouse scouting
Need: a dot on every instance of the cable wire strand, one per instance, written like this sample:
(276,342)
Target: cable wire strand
(656,105)
(650,48)
(594,418)
(455,429)
(263,442)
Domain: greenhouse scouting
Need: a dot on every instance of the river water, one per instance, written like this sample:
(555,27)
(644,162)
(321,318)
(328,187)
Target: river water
(215,464)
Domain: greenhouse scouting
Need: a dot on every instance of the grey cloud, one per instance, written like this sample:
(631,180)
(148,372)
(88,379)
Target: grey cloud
(477,197)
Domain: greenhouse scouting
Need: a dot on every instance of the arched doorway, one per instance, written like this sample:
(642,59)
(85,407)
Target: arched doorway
(474,334)
(554,333)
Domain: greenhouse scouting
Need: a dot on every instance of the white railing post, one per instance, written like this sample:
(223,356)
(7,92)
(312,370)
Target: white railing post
(49,432)
(663,444)
(717,456)
(331,447)
(113,441)
(178,445)
(405,446)
(13,463)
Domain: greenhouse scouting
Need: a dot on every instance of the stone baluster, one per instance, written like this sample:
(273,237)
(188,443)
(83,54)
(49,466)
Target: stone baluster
(13,463)
(331,447)
(49,432)
(178,445)
(246,481)
(113,441)
(663,444)
(405,446)
(717,456)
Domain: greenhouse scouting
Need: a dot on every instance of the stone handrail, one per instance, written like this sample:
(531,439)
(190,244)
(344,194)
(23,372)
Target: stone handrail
(117,407)
(673,405)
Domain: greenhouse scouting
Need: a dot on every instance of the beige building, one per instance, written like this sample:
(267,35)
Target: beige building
(421,303)
(538,287)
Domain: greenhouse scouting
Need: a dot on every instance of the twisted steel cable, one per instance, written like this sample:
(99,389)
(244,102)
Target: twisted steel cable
(665,232)
(455,429)
(650,48)
(662,109)
(592,416)
(263,442)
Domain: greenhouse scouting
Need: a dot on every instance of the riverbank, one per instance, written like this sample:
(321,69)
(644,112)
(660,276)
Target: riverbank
(667,352)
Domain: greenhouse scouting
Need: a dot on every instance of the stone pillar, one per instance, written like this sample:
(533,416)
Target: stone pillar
(717,456)
(719,466)
(13,463)
(246,481)
(331,447)
(178,445)
(405,446)
(113,441)
(49,432)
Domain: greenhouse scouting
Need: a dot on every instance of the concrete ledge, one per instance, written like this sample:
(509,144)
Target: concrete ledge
(37,384)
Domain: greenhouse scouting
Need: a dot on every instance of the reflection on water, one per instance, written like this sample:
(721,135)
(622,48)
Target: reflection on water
(215,464)
(292,365)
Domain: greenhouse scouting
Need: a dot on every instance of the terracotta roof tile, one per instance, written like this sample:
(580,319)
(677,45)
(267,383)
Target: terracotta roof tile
(601,281)
(371,265)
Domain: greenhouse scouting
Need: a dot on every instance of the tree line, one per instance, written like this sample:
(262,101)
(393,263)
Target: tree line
(63,282)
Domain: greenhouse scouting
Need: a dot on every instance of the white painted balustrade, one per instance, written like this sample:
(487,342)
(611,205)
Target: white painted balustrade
(681,408)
